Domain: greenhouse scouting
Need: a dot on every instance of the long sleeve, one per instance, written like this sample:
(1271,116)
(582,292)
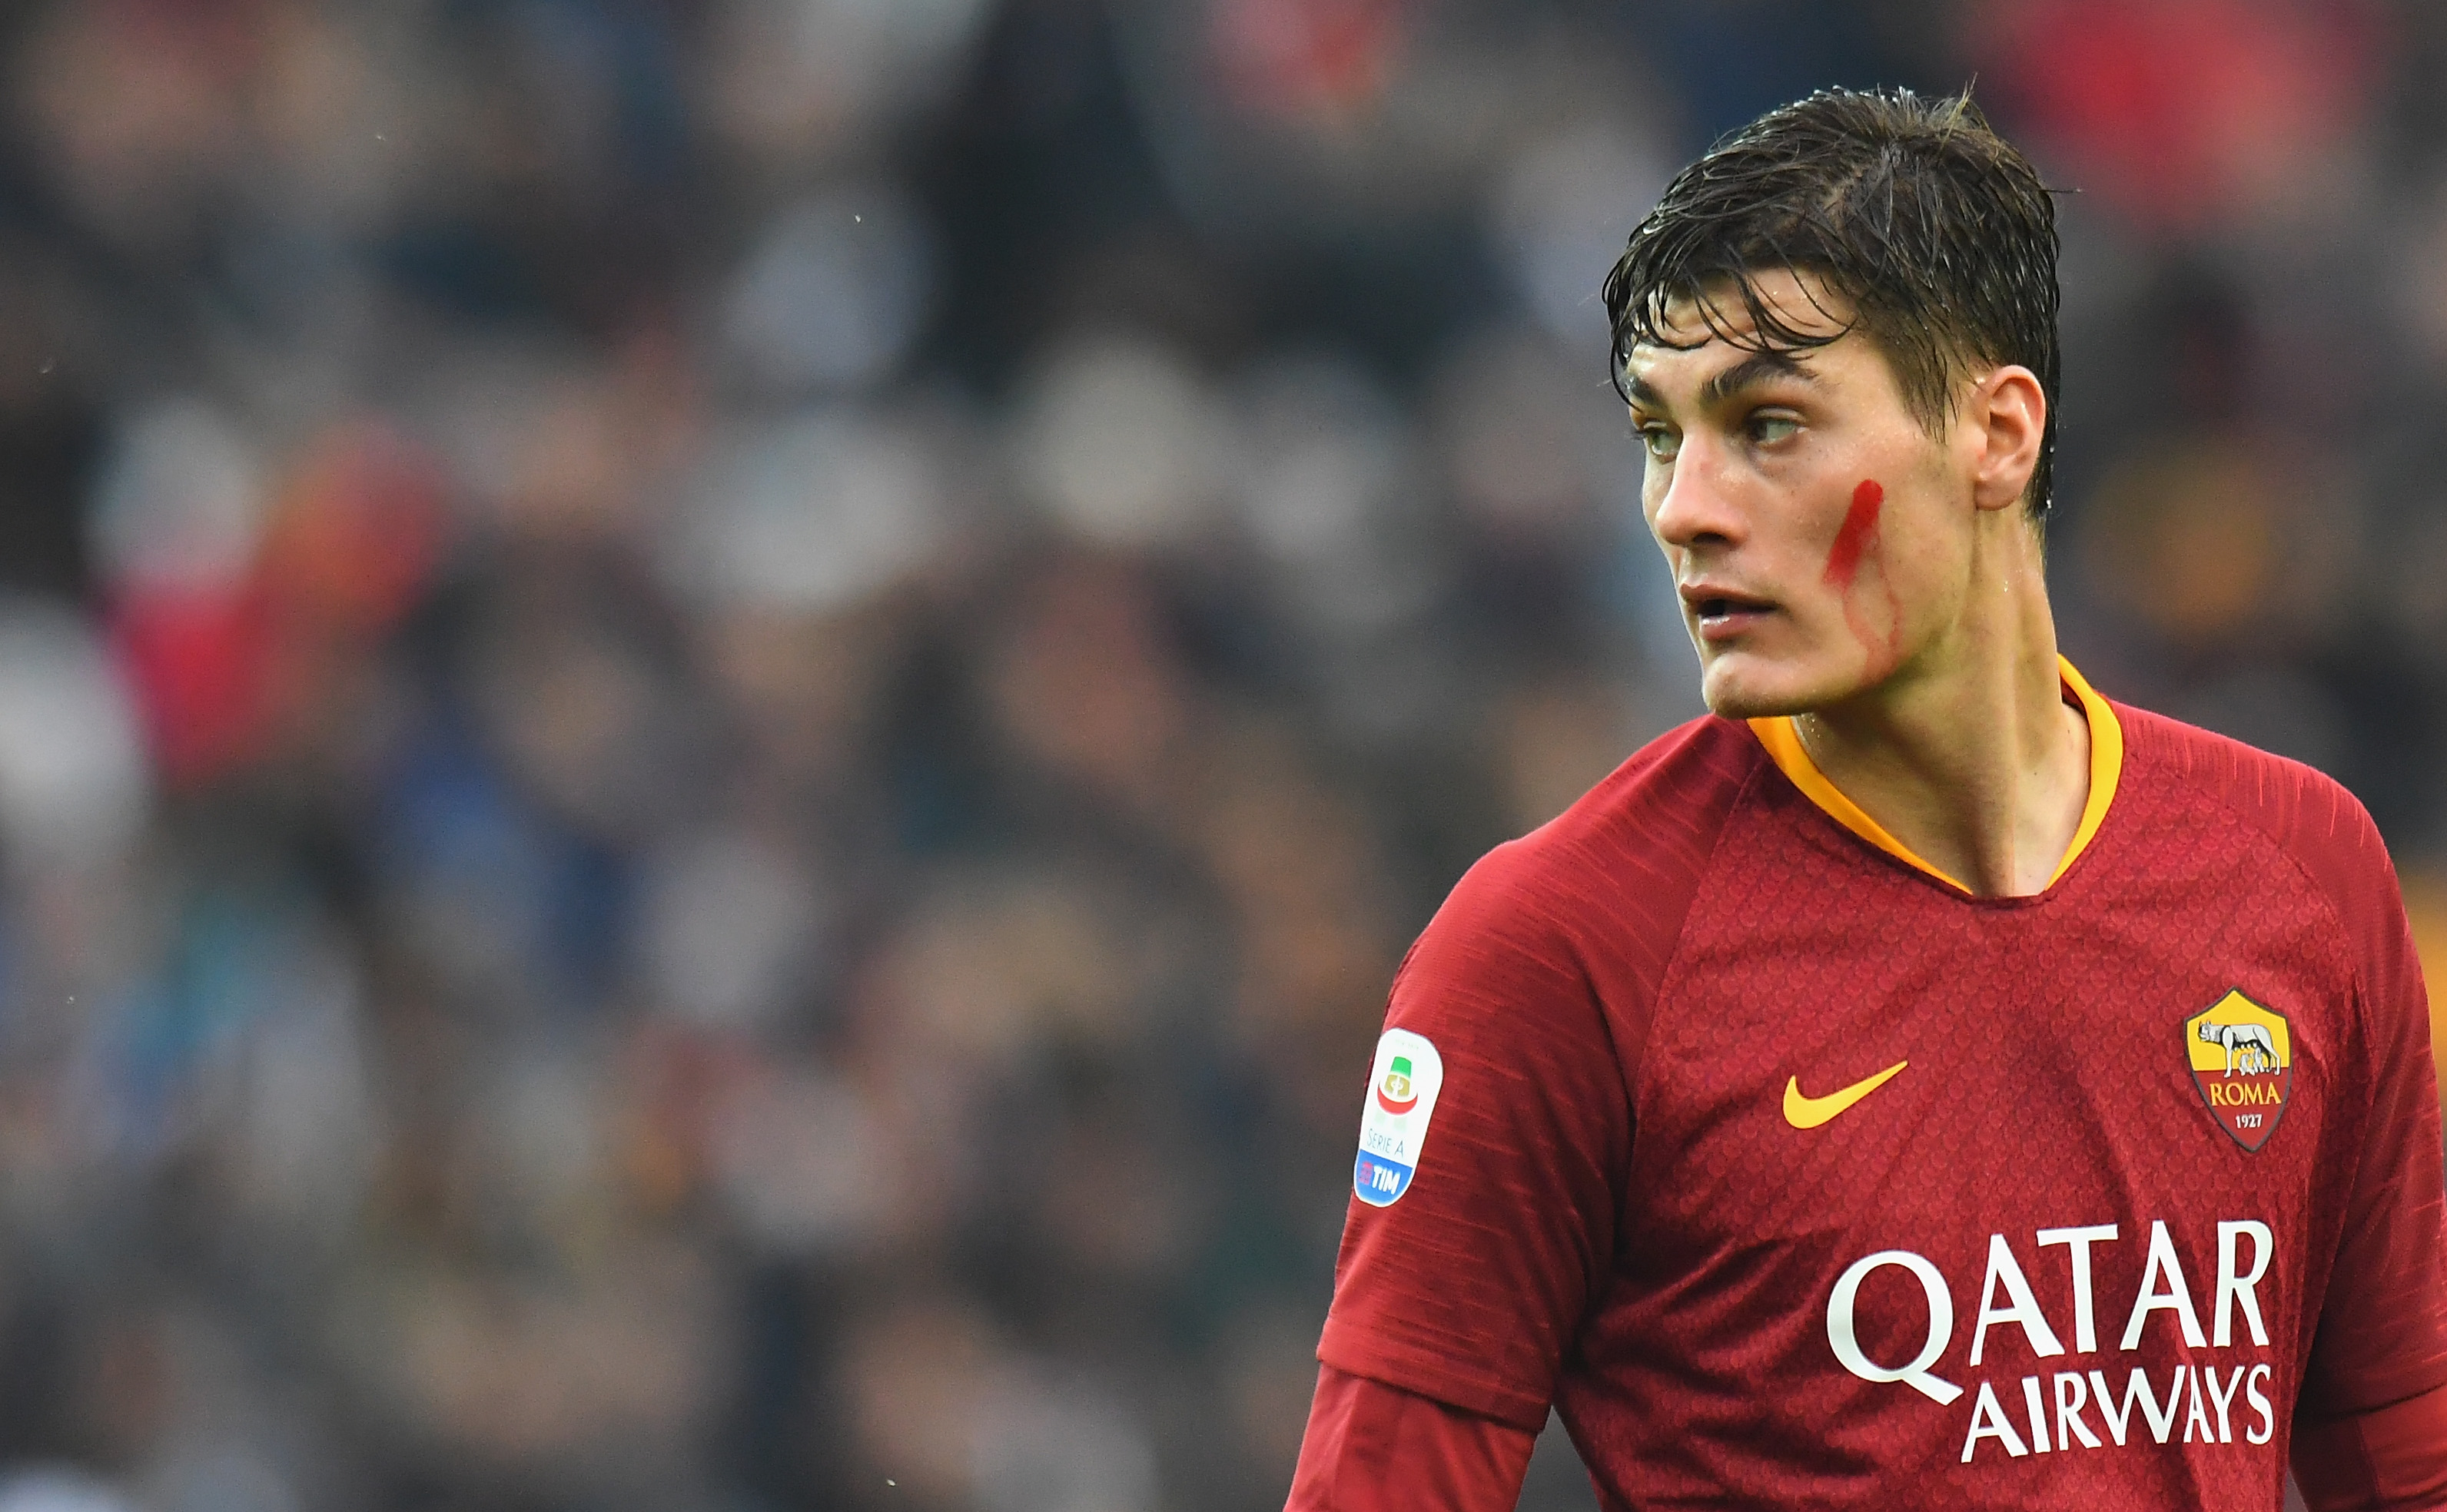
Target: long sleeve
(1373,1447)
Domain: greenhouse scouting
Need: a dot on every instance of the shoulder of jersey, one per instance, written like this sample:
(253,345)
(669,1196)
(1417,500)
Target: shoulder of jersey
(2172,767)
(1648,829)
(1690,773)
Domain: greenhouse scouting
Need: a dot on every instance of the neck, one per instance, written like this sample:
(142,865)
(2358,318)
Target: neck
(1969,754)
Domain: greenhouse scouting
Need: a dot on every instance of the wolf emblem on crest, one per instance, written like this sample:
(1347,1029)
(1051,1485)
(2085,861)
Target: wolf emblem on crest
(2249,1048)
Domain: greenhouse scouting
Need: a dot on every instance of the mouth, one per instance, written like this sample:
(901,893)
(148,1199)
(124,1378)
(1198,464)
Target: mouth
(1722,613)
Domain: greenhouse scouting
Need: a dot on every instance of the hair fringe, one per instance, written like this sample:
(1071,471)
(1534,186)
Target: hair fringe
(1911,211)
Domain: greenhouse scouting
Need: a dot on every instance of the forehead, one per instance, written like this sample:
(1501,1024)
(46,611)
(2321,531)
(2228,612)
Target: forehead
(1716,329)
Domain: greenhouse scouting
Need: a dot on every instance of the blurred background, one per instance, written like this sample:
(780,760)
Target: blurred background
(718,717)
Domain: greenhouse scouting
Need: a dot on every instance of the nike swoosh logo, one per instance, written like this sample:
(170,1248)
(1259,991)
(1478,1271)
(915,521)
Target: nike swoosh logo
(1809,1112)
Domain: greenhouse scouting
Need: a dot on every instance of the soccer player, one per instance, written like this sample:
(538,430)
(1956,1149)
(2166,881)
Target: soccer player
(1923,1082)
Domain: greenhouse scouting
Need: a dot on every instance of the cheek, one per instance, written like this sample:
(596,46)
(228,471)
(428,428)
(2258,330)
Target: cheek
(1857,536)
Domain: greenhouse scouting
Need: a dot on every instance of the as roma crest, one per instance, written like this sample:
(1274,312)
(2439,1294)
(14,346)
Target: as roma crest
(2243,1061)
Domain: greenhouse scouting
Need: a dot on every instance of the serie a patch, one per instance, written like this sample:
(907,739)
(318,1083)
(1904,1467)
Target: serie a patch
(1402,1087)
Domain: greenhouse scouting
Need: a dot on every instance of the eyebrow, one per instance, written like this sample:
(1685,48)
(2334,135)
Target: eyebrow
(1751,370)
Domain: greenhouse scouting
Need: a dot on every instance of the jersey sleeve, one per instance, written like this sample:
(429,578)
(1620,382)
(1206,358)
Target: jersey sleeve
(2382,1330)
(2392,1460)
(1468,1286)
(1372,1448)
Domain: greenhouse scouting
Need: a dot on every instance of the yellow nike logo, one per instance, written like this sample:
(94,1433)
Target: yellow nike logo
(1809,1112)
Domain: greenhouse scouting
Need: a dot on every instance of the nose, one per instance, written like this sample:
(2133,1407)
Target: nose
(1697,506)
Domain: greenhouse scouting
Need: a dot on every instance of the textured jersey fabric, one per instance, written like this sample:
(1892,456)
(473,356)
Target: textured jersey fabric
(2050,1262)
(1371,1447)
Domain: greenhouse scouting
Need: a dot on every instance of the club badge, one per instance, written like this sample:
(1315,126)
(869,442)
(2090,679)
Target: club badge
(2242,1057)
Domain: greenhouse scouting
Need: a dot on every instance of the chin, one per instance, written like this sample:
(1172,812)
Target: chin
(1746,687)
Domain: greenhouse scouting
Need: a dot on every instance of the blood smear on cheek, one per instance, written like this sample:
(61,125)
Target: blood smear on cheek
(1853,537)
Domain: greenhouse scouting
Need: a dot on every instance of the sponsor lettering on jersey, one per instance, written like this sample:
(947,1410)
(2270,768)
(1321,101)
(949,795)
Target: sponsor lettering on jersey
(2207,1394)
(2242,1059)
(1402,1087)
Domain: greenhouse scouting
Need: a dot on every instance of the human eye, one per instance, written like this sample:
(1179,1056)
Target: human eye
(1768,427)
(1660,442)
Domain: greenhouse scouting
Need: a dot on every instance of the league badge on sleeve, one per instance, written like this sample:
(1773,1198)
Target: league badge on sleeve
(2243,1061)
(1402,1089)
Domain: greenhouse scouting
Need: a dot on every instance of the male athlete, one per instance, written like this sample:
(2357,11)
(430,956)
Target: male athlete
(1922,1083)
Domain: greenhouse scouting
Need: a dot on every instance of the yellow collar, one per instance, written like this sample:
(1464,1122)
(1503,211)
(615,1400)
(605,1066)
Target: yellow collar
(1784,747)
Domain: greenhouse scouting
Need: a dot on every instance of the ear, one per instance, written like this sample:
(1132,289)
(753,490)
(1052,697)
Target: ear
(2009,413)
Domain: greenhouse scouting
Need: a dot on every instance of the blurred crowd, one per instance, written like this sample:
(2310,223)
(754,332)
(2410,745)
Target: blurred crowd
(718,717)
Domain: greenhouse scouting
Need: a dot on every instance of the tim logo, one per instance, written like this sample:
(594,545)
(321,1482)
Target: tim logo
(1378,1183)
(2243,1061)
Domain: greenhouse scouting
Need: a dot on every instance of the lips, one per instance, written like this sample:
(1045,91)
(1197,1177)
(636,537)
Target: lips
(1722,612)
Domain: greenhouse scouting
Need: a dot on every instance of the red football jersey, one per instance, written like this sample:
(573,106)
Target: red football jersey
(1792,1174)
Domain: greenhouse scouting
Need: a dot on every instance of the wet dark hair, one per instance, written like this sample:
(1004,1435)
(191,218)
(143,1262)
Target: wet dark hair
(1934,229)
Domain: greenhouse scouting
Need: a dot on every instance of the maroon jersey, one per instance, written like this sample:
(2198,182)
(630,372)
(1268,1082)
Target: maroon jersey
(1792,1174)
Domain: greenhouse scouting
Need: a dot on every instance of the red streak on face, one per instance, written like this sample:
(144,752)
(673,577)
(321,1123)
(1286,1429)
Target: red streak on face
(1853,537)
(1853,540)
